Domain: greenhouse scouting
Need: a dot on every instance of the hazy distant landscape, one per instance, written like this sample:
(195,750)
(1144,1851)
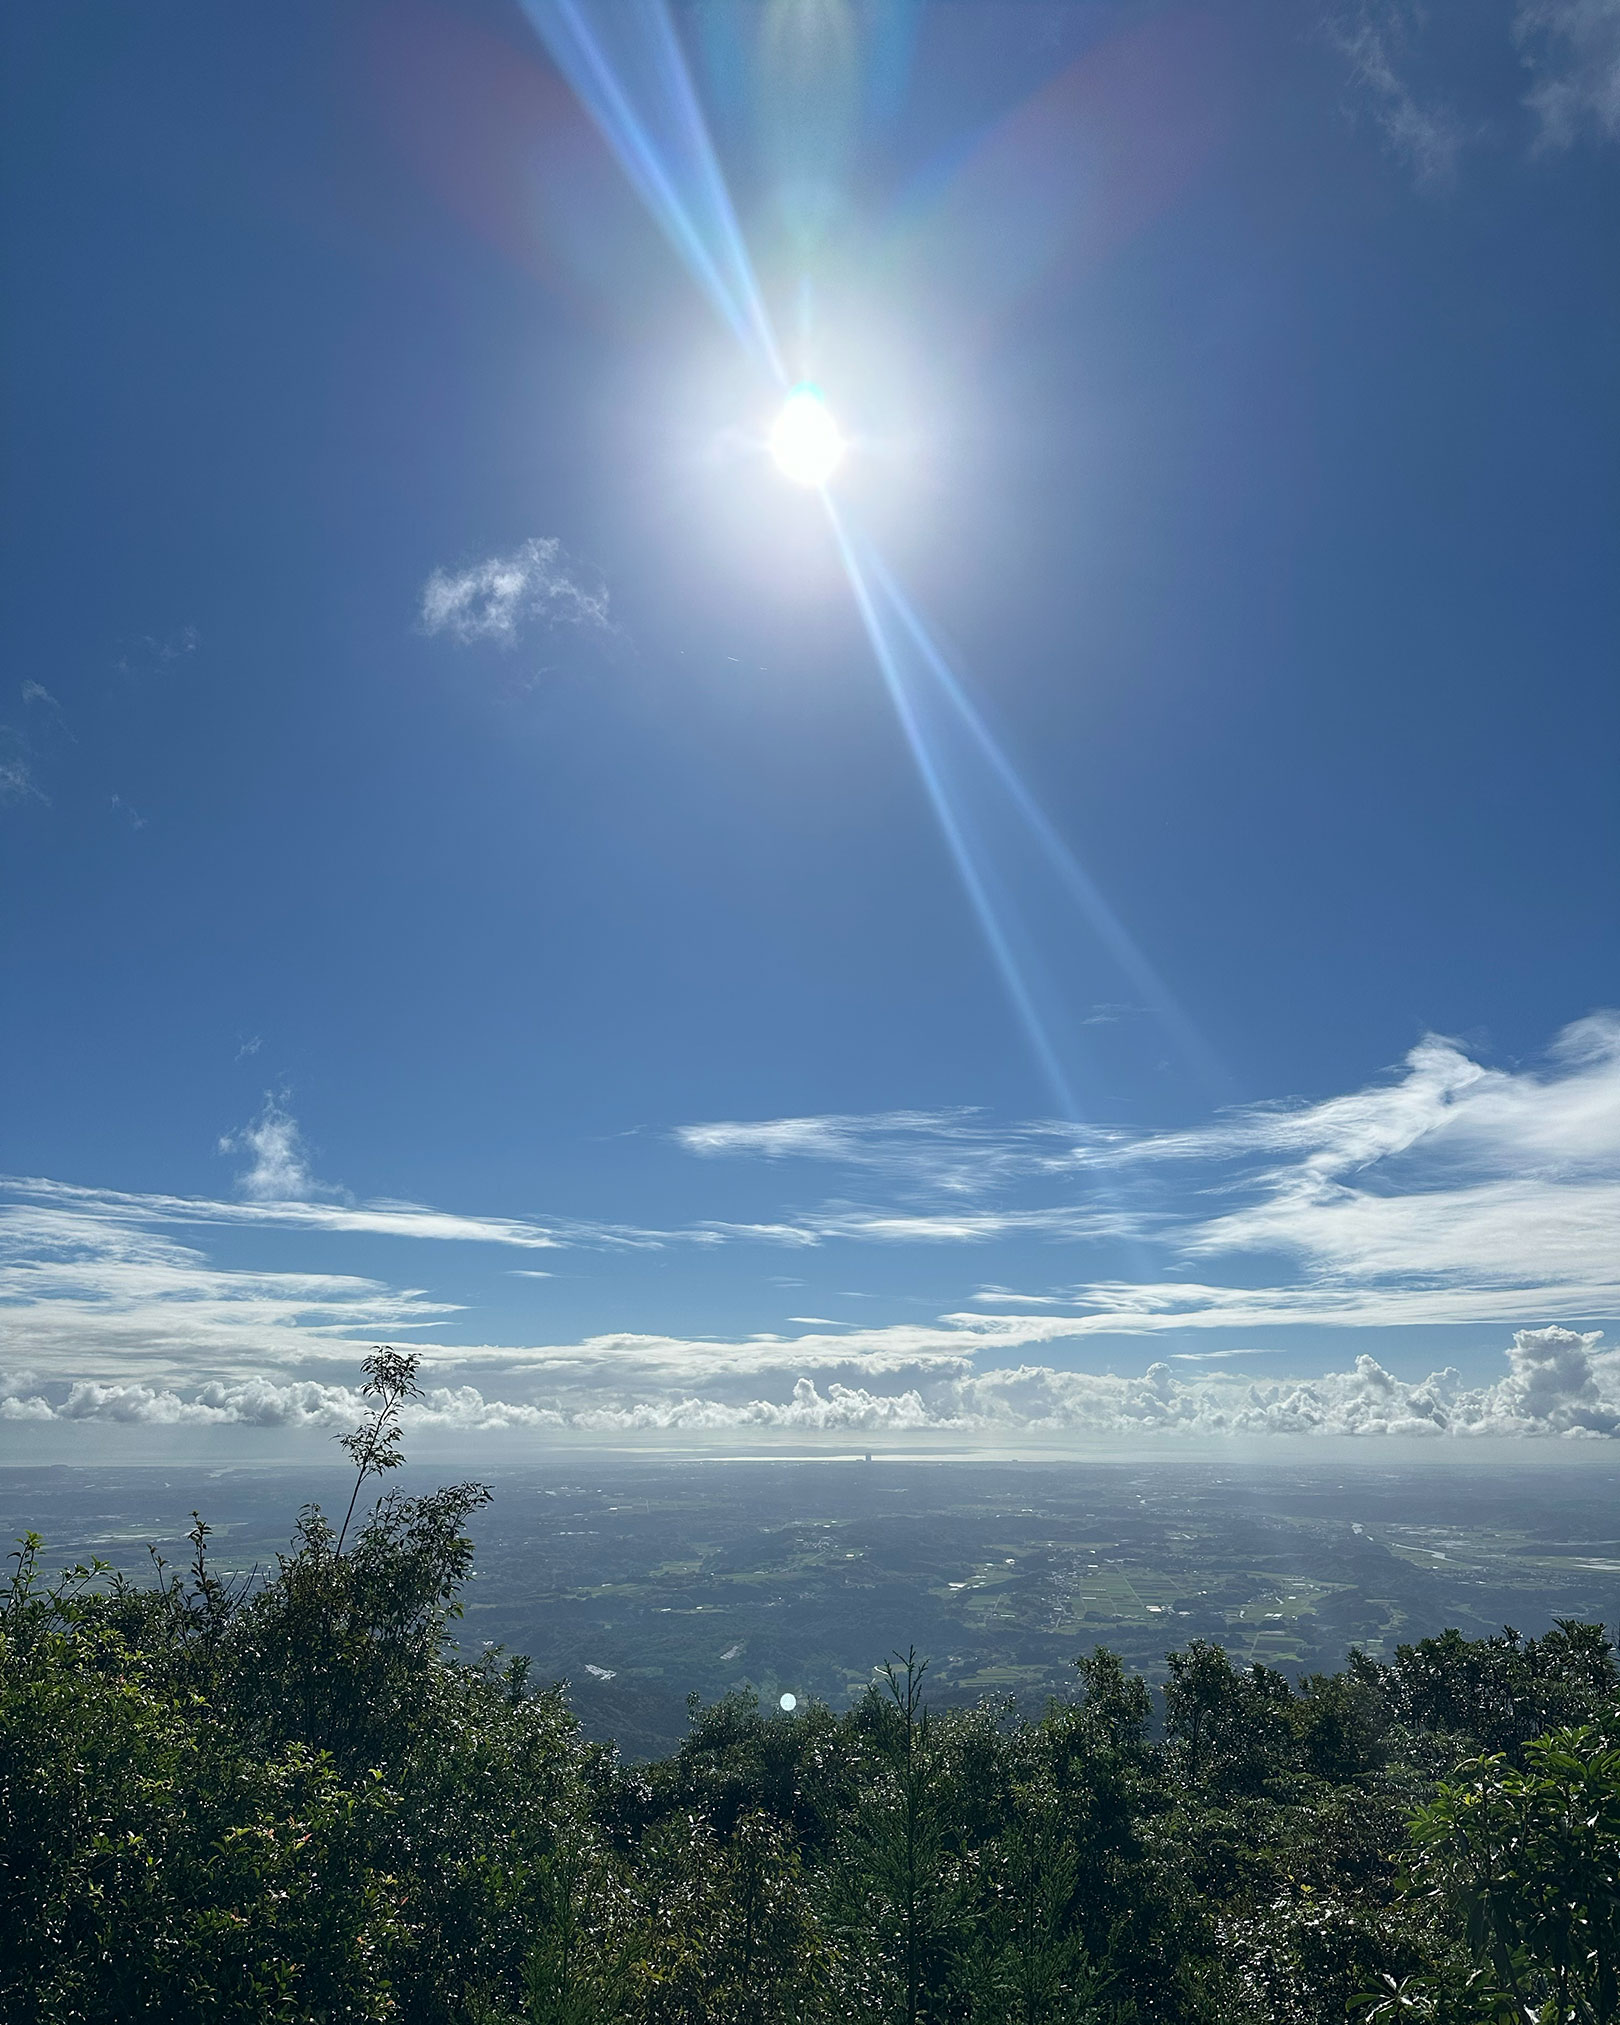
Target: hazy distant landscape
(644,1584)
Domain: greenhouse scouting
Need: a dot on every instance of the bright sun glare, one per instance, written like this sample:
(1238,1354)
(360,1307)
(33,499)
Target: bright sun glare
(805,442)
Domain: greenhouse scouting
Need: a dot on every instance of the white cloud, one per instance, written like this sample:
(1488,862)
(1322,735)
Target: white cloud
(381,1219)
(1450,1193)
(1540,1231)
(280,1163)
(1570,47)
(17,783)
(492,600)
(1376,39)
(954,1152)
(88,1297)
(1222,1356)
(1447,1193)
(1451,1184)
(1160,1307)
(1574,1391)
(1573,48)
(898,1227)
(1558,1380)
(1559,1385)
(279,1166)
(151,654)
(36,695)
(1446,1105)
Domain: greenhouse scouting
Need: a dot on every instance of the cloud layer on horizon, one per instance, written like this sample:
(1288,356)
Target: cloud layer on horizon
(1449,1193)
(1558,1384)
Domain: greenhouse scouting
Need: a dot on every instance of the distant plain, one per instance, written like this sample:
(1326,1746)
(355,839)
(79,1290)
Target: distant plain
(644,1583)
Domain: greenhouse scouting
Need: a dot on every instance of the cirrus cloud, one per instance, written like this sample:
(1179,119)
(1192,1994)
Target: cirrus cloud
(494,599)
(1448,1192)
(1573,50)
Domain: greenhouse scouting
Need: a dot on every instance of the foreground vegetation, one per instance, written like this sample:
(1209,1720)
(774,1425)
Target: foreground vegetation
(289,1800)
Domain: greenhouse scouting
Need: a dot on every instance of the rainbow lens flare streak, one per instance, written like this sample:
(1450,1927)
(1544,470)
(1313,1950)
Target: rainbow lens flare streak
(641,96)
(975,878)
(1076,881)
(626,65)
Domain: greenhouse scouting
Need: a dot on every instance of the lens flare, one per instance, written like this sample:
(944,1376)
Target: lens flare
(628,65)
(805,442)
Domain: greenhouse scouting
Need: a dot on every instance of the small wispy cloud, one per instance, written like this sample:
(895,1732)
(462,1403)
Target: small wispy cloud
(17,782)
(1573,49)
(1221,1356)
(1072,1221)
(1570,47)
(496,598)
(130,814)
(152,652)
(409,1220)
(954,1152)
(1108,1014)
(37,697)
(1427,134)
(44,723)
(278,1169)
(1005,1297)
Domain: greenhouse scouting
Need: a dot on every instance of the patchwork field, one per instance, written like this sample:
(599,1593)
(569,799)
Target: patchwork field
(646,1584)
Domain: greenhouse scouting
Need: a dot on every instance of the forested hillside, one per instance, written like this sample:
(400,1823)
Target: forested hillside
(289,1800)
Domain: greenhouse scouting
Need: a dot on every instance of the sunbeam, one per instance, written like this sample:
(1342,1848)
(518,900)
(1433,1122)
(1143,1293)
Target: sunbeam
(630,72)
(974,880)
(628,68)
(1077,882)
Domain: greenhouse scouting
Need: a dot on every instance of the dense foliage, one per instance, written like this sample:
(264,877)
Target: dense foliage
(291,1801)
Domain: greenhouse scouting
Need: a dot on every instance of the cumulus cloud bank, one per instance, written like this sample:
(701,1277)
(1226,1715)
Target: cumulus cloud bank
(1559,1384)
(496,598)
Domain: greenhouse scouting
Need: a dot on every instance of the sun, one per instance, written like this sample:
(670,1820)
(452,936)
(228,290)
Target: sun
(805,441)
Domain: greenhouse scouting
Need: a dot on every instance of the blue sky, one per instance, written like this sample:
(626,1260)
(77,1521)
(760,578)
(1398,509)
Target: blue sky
(1103,924)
